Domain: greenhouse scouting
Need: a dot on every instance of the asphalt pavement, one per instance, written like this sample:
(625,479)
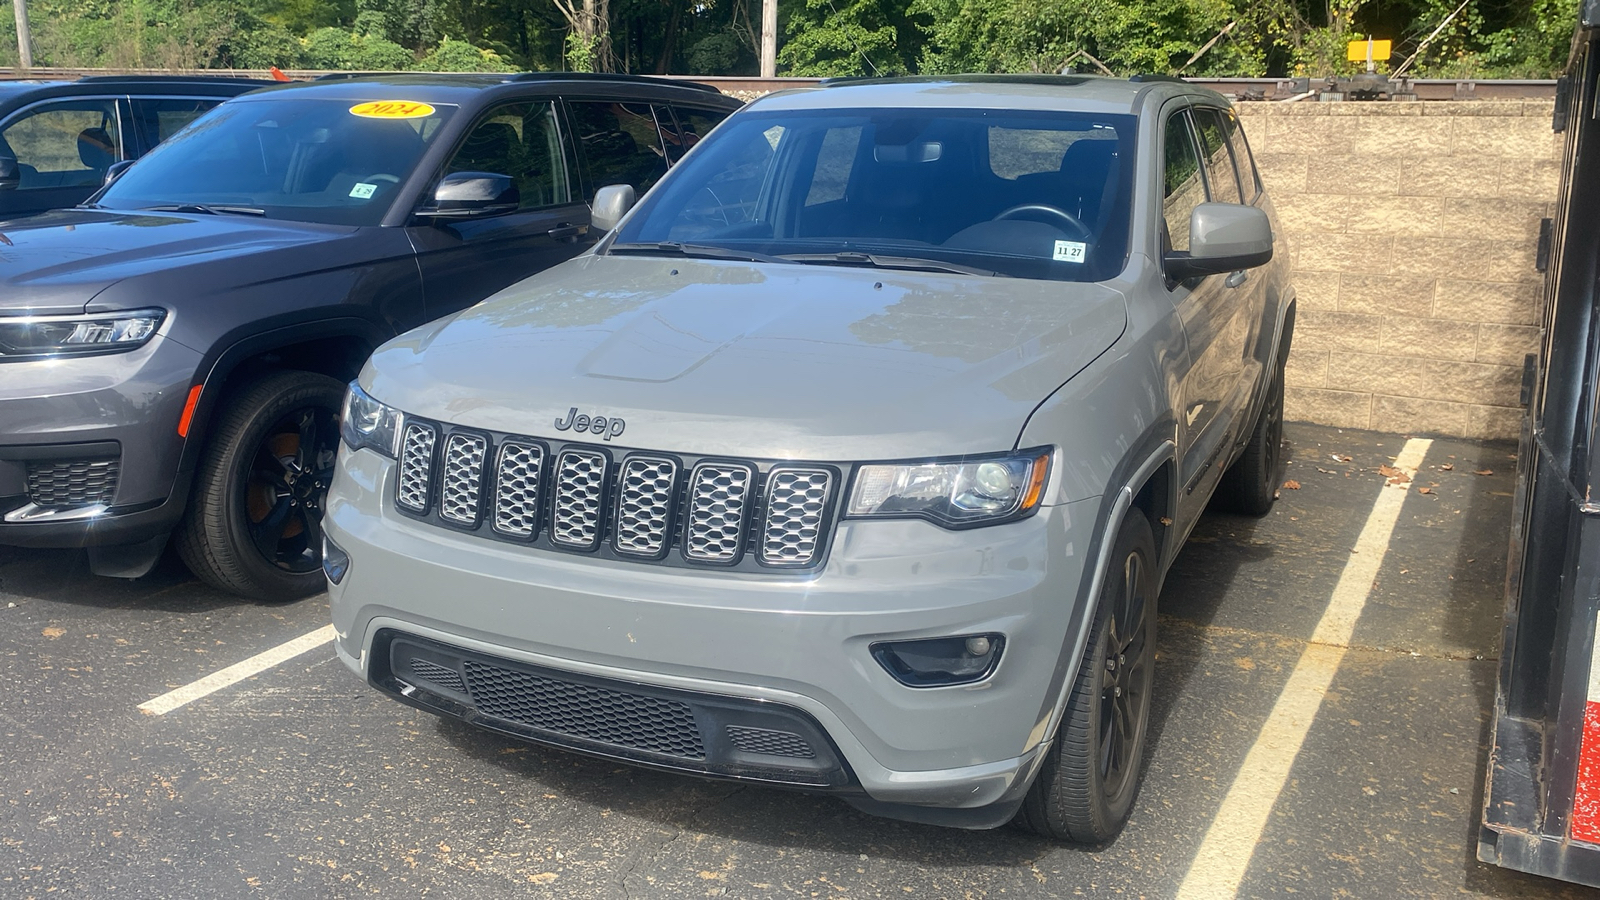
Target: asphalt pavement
(300,781)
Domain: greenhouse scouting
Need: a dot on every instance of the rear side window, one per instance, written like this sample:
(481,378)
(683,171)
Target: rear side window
(689,127)
(157,119)
(1249,178)
(1181,173)
(520,140)
(67,144)
(1220,174)
(619,143)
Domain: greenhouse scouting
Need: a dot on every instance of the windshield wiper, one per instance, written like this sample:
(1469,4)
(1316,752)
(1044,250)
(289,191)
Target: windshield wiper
(701,251)
(879,261)
(208,210)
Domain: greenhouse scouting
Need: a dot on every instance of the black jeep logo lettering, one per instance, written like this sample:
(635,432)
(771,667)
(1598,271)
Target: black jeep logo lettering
(606,428)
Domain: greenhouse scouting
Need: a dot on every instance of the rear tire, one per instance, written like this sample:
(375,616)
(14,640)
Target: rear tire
(1090,777)
(254,523)
(1250,485)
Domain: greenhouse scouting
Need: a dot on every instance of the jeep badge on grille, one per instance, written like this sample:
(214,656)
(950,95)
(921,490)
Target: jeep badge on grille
(609,428)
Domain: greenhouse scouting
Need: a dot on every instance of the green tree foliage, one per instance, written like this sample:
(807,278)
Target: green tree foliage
(1489,39)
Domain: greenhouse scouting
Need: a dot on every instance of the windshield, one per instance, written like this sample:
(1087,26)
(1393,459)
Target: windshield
(1020,193)
(306,160)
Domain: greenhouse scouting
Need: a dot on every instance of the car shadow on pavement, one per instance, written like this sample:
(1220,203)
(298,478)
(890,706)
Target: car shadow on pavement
(63,576)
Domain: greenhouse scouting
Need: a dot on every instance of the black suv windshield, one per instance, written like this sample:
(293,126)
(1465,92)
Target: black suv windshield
(303,159)
(1021,193)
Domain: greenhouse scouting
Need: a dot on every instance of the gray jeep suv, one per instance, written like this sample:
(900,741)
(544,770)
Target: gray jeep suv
(850,460)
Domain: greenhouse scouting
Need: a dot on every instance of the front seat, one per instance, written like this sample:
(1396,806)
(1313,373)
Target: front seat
(97,151)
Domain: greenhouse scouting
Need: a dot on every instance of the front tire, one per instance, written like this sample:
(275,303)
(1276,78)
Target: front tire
(1086,787)
(254,523)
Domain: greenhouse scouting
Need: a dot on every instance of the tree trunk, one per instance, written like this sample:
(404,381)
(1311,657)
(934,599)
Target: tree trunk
(668,43)
(769,38)
(24,39)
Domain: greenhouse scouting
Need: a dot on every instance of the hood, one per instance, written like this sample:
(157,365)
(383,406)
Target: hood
(58,261)
(765,361)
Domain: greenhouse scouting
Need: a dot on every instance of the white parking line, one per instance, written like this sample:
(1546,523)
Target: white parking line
(237,672)
(1225,853)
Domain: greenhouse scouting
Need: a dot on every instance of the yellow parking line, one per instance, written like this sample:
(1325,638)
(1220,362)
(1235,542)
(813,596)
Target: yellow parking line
(237,672)
(1224,855)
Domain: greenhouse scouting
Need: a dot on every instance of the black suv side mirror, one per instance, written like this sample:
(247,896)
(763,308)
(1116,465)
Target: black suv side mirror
(10,173)
(116,170)
(1223,237)
(469,195)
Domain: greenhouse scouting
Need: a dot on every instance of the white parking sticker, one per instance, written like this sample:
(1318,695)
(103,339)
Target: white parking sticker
(362,191)
(1070,251)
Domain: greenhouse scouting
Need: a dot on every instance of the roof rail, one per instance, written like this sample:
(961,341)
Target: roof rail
(978,78)
(612,77)
(1146,78)
(176,79)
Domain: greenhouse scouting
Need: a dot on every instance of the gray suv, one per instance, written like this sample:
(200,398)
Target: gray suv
(850,460)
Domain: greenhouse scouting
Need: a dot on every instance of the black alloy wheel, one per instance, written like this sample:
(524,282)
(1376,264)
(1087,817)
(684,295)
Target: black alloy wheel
(253,525)
(1251,484)
(288,483)
(1086,786)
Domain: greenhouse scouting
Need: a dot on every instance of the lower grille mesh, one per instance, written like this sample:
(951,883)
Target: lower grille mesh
(769,742)
(598,714)
(68,483)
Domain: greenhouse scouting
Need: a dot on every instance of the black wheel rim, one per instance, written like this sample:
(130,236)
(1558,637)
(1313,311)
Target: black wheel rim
(288,482)
(1125,680)
(1274,435)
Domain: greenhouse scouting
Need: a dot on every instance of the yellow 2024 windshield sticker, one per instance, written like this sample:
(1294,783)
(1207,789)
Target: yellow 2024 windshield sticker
(392,109)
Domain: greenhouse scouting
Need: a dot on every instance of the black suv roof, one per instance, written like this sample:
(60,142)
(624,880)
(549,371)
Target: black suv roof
(470,88)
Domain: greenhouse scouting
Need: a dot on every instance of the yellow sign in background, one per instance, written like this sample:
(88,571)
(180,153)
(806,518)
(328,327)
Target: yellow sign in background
(392,109)
(1357,51)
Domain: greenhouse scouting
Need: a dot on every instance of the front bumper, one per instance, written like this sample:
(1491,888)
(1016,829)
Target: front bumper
(797,643)
(122,407)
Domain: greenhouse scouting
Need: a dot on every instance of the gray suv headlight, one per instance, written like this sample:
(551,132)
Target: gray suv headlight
(367,423)
(960,493)
(78,334)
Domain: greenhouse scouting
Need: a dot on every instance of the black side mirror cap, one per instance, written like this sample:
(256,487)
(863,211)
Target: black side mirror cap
(10,173)
(466,195)
(116,170)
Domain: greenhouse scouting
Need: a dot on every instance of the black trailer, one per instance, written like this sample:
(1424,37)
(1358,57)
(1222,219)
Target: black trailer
(1542,788)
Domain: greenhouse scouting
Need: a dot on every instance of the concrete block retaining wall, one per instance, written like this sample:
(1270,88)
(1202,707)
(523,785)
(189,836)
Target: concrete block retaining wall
(1413,229)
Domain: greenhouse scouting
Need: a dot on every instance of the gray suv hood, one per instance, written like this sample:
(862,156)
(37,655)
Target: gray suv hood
(765,361)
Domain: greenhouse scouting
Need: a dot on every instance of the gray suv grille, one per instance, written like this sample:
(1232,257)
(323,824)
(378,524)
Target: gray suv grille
(67,483)
(416,467)
(632,505)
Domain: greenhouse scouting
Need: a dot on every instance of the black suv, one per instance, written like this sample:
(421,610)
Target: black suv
(173,353)
(59,138)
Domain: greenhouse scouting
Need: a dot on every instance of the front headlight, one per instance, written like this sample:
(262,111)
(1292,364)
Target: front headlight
(78,334)
(367,423)
(958,494)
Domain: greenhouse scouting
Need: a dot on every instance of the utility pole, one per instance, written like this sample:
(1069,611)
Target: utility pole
(769,38)
(24,39)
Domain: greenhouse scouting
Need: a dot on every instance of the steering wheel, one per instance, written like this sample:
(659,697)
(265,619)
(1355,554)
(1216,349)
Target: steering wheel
(1027,210)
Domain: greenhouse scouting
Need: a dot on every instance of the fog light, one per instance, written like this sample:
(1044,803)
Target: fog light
(335,562)
(940,661)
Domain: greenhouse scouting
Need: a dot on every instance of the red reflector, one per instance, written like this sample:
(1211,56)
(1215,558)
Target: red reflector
(188,411)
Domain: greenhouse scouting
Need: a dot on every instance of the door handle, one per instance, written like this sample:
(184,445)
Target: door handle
(567,231)
(1236,279)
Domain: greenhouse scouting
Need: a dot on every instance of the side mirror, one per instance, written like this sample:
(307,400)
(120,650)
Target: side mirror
(10,173)
(116,170)
(611,203)
(467,195)
(1223,237)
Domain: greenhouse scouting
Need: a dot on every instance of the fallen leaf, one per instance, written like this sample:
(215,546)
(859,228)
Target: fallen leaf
(53,632)
(1484,472)
(543,877)
(1166,521)
(1424,490)
(1447,467)
(1338,457)
(1292,485)
(1394,475)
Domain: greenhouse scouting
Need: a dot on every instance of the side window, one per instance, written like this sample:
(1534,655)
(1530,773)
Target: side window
(692,125)
(68,144)
(618,143)
(1220,174)
(1184,187)
(156,119)
(1249,178)
(520,140)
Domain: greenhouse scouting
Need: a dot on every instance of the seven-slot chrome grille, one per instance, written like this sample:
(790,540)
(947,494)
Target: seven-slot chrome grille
(620,504)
